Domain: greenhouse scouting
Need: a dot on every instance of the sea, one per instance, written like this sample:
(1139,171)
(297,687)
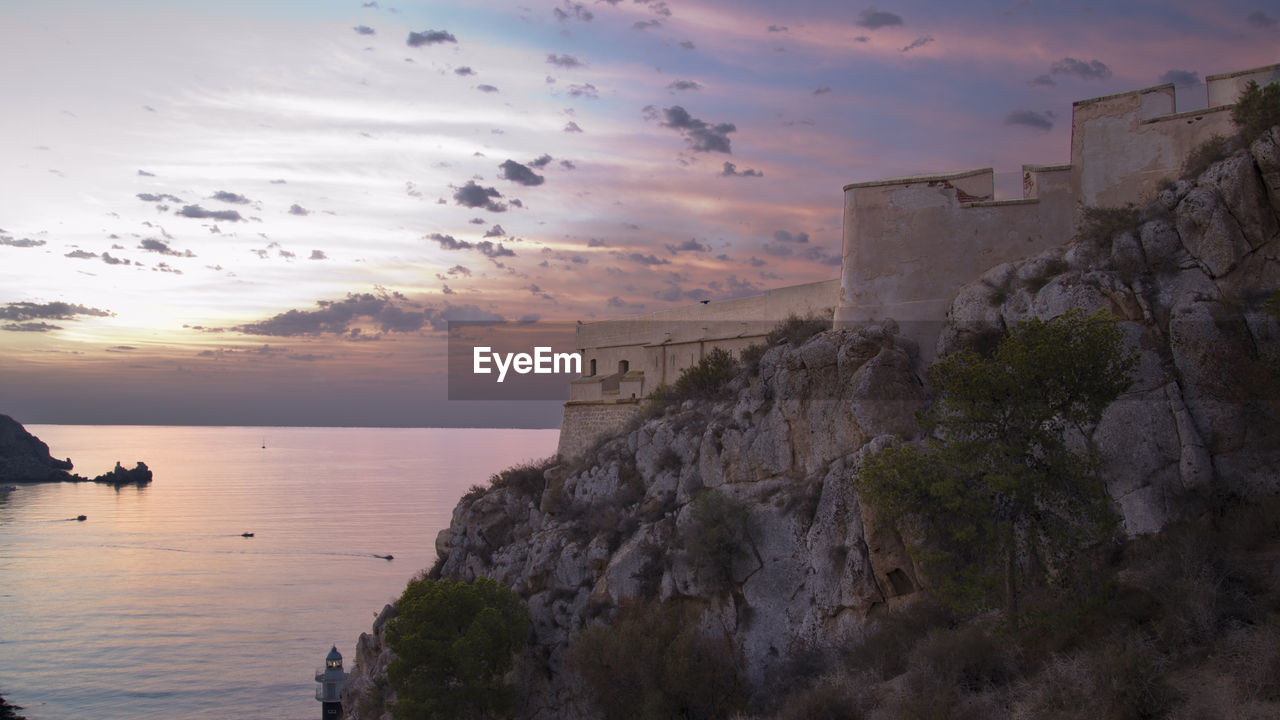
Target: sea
(157,606)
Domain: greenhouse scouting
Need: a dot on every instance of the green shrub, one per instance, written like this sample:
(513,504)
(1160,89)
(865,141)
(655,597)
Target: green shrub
(1100,224)
(703,382)
(527,478)
(999,482)
(454,642)
(1257,110)
(652,662)
(1205,154)
(794,331)
(718,532)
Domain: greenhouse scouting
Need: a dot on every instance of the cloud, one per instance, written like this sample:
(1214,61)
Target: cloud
(195,211)
(162,197)
(1091,70)
(688,45)
(822,90)
(649,259)
(873,19)
(572,127)
(459,270)
(645,24)
(573,10)
(568,165)
(108,259)
(296,209)
(586,90)
(364,30)
(463,71)
(449,242)
(1030,118)
(338,317)
(690,245)
(485,247)
(159,246)
(777,28)
(822,256)
(487,88)
(731,170)
(495,231)
(22,243)
(684,85)
(30,327)
(57,310)
(1260,19)
(1181,78)
(520,174)
(563,61)
(491,250)
(783,236)
(81,254)
(430,37)
(318,255)
(918,43)
(701,135)
(596,242)
(228,197)
(474,196)
(144,173)
(541,161)
(1042,80)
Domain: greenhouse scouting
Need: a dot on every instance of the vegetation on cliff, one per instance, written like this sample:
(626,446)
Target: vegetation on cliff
(998,491)
(794,599)
(454,642)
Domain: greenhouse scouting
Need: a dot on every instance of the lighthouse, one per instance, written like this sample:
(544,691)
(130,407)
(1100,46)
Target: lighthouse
(331,679)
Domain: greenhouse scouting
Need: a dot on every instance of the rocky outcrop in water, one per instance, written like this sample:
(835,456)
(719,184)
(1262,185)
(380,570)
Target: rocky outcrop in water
(25,458)
(1187,279)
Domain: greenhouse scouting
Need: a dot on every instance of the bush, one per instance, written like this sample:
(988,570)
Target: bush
(999,482)
(1205,154)
(652,662)
(718,532)
(454,642)
(1257,110)
(703,382)
(794,331)
(527,478)
(1100,224)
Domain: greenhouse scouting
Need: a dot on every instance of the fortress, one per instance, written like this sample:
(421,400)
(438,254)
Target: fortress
(910,243)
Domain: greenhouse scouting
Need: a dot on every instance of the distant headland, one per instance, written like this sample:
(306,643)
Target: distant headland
(25,458)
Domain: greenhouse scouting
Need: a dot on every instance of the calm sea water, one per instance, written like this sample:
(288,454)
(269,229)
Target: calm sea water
(156,607)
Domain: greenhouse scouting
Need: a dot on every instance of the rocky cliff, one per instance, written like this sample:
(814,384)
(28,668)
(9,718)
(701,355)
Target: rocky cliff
(1187,276)
(25,458)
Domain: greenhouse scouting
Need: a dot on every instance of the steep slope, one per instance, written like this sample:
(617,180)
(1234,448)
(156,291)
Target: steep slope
(1187,277)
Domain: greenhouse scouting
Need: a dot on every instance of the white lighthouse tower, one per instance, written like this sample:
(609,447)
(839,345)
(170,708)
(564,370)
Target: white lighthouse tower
(331,679)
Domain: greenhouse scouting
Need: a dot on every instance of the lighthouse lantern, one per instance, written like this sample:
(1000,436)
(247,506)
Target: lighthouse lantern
(331,679)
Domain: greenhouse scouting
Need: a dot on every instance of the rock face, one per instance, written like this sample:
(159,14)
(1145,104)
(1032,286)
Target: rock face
(25,458)
(1202,417)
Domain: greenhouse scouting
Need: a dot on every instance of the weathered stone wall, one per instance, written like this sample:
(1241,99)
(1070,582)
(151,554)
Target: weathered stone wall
(910,243)
(585,423)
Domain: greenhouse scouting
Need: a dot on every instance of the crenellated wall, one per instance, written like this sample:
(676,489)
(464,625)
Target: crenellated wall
(910,243)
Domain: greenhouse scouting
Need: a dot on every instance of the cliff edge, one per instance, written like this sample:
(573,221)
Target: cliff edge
(1187,276)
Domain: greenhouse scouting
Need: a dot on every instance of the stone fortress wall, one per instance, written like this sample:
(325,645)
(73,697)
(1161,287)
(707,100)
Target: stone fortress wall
(910,243)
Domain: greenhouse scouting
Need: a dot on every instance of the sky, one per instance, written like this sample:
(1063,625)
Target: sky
(266,212)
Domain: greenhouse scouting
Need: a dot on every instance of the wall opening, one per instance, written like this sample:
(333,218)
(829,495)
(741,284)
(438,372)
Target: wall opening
(593,367)
(623,366)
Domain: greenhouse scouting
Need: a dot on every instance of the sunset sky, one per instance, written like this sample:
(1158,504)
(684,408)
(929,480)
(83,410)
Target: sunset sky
(265,212)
